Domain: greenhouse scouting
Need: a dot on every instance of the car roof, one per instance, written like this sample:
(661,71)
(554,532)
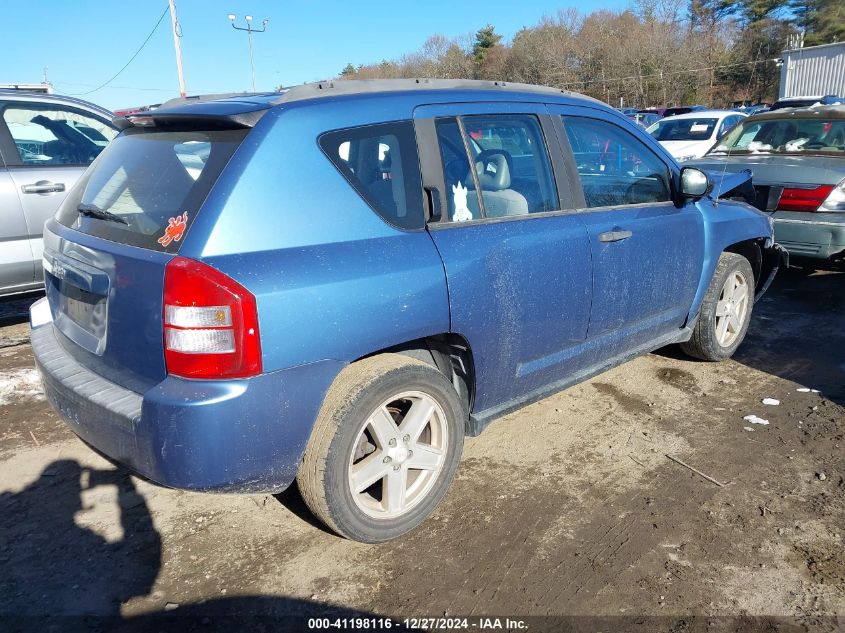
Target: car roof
(353,87)
(254,103)
(703,114)
(41,97)
(806,112)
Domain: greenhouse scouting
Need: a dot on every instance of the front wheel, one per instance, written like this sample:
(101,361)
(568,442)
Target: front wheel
(725,310)
(384,449)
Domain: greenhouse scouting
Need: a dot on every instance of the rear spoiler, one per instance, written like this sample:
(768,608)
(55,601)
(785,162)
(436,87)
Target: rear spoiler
(209,116)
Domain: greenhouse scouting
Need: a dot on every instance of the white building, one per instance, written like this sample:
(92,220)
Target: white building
(813,71)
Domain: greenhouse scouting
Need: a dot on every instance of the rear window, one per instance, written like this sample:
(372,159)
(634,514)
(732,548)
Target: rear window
(698,129)
(790,135)
(147,186)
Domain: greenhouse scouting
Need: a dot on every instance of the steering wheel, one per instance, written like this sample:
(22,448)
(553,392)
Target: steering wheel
(455,169)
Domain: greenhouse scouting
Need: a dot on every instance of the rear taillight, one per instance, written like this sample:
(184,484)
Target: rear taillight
(210,323)
(836,200)
(794,199)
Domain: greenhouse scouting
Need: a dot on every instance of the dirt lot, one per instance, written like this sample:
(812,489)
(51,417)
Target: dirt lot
(568,507)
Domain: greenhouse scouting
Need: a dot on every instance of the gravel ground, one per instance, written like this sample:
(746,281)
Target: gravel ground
(569,507)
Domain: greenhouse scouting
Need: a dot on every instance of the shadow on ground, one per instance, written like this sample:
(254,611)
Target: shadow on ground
(797,332)
(58,575)
(52,564)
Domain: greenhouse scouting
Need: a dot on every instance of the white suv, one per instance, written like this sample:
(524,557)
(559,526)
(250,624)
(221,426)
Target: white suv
(688,136)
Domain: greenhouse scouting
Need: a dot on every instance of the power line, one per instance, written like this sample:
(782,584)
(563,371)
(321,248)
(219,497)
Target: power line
(131,59)
(76,83)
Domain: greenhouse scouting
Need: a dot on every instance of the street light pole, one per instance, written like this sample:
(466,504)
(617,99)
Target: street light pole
(177,36)
(249,31)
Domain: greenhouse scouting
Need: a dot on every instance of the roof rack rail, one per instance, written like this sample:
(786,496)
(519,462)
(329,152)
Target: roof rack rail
(338,87)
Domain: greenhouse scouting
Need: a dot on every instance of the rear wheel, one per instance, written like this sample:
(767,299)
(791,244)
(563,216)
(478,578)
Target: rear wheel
(725,310)
(384,449)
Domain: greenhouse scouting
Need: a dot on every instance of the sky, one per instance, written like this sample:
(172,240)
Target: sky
(83,43)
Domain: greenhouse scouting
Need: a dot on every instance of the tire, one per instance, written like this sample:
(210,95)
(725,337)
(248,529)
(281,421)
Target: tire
(360,434)
(714,339)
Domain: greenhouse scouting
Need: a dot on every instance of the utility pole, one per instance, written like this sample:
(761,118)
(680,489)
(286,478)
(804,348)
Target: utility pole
(249,31)
(177,36)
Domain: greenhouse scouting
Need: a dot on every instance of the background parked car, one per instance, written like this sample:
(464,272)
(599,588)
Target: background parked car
(803,102)
(757,108)
(676,110)
(645,119)
(797,157)
(46,142)
(688,136)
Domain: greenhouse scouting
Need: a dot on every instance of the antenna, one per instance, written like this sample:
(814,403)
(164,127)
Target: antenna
(724,171)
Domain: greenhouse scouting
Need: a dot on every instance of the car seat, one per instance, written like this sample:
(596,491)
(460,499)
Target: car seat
(493,168)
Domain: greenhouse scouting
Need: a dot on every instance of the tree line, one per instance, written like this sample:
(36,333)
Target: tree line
(655,52)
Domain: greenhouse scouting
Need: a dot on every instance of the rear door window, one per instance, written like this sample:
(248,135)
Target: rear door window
(510,166)
(382,165)
(54,135)
(147,186)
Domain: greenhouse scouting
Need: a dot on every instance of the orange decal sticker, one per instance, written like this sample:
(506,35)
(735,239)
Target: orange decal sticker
(174,230)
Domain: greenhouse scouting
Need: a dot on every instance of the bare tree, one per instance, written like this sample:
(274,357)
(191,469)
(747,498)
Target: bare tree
(657,52)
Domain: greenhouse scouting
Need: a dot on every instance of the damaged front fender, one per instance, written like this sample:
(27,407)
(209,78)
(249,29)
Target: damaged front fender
(732,185)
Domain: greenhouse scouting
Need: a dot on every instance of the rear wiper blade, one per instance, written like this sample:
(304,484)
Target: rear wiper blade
(93,211)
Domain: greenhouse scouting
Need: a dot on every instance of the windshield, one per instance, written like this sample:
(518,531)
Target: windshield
(147,185)
(692,129)
(785,136)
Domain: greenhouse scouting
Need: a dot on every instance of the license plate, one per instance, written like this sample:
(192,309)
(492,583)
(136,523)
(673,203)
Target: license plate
(79,311)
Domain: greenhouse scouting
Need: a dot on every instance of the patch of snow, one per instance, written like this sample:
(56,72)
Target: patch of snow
(20,384)
(806,390)
(755,420)
(770,401)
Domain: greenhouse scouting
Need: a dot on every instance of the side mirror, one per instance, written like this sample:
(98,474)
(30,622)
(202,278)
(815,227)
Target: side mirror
(694,183)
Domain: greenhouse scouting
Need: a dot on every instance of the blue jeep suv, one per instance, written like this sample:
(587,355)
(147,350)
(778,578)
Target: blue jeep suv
(337,283)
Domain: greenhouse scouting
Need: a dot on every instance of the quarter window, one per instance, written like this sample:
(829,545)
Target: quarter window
(381,163)
(504,157)
(51,135)
(615,168)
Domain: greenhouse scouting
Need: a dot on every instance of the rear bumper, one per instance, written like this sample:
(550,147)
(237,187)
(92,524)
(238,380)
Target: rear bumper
(819,237)
(222,436)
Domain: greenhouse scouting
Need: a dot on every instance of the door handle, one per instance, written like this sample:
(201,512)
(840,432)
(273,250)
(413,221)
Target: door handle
(617,235)
(44,186)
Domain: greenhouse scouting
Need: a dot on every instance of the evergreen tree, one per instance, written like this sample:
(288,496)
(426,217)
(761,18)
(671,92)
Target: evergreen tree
(706,14)
(485,39)
(822,20)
